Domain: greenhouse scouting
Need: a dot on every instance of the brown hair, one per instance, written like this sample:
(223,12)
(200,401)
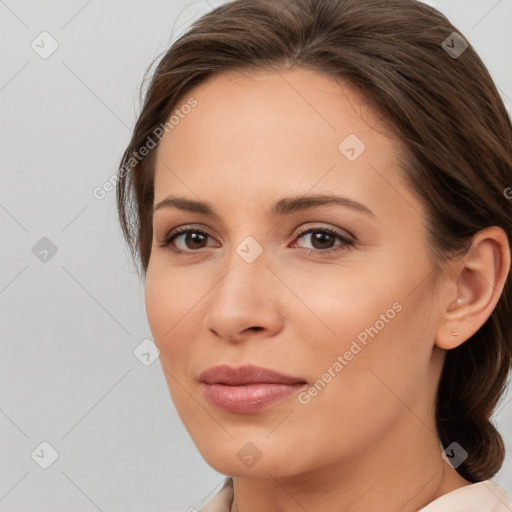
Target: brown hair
(446,110)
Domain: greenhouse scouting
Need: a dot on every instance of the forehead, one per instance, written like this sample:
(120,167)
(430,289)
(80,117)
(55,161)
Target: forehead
(261,131)
(284,109)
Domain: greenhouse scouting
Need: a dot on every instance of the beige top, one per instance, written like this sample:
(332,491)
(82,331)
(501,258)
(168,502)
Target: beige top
(486,496)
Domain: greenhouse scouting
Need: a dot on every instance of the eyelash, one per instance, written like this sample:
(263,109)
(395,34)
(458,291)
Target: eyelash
(345,244)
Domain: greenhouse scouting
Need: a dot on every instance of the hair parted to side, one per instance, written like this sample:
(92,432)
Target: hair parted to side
(448,113)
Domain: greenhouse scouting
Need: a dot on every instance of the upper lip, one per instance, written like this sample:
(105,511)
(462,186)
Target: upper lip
(248,374)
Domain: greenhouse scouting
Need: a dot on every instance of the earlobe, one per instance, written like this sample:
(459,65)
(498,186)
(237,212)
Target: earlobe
(452,331)
(458,302)
(478,284)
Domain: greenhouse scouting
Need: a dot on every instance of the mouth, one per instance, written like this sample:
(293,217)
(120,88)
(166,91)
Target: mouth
(247,389)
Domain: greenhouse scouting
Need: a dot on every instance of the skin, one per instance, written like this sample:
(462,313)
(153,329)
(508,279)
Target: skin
(368,439)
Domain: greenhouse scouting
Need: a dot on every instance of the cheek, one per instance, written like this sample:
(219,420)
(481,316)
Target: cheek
(169,299)
(385,362)
(341,303)
(157,304)
(376,318)
(169,306)
(361,389)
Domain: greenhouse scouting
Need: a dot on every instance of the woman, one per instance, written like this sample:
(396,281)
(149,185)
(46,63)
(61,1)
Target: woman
(360,374)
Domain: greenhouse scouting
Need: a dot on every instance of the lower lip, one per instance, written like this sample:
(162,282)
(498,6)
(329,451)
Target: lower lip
(248,398)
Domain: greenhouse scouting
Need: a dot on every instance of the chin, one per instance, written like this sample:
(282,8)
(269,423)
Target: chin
(244,458)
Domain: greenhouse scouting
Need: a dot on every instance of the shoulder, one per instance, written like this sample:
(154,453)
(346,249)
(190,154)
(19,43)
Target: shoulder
(485,496)
(221,502)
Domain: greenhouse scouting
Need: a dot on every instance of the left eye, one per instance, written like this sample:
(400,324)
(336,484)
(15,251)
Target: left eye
(323,240)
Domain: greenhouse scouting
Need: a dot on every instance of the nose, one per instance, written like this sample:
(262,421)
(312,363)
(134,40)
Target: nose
(245,302)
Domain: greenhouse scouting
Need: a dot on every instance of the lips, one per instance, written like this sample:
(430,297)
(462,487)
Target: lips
(248,374)
(247,389)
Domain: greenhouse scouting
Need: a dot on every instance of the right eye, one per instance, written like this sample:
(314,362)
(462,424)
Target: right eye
(191,240)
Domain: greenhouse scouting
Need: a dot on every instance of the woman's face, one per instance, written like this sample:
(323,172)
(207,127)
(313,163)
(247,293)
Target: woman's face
(347,309)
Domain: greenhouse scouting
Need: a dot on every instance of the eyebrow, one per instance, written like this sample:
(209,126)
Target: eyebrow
(284,206)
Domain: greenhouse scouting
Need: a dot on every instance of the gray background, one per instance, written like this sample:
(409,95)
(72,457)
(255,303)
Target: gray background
(70,324)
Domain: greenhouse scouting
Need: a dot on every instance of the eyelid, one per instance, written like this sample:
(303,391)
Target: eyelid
(173,233)
(339,231)
(303,229)
(346,241)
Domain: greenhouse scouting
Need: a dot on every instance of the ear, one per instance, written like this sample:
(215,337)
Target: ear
(476,285)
